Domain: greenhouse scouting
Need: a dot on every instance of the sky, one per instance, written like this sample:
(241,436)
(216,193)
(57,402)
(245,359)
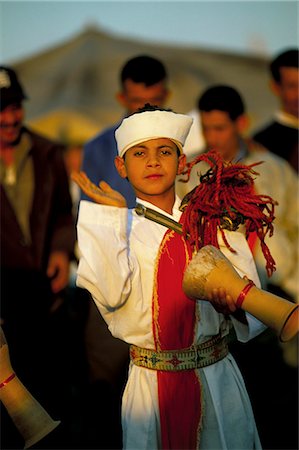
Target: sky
(249,27)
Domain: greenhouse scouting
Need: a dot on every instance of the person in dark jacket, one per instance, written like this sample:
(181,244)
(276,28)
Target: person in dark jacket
(280,135)
(37,240)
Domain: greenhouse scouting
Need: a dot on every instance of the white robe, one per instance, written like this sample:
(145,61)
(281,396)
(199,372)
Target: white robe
(118,252)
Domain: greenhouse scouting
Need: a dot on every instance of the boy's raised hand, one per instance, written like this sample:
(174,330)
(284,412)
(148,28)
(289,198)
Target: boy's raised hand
(102,194)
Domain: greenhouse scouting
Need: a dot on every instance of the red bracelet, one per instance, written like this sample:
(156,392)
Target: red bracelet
(243,293)
(11,377)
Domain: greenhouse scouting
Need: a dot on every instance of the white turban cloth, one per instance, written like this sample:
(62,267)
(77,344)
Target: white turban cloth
(144,126)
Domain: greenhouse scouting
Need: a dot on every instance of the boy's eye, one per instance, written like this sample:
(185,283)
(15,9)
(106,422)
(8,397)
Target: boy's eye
(139,153)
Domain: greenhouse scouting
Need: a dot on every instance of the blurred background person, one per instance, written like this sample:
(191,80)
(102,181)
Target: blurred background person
(37,242)
(282,134)
(224,123)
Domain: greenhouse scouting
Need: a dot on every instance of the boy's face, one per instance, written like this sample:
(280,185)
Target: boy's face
(136,95)
(151,167)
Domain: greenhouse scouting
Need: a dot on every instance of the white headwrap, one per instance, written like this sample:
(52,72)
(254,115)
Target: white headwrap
(141,127)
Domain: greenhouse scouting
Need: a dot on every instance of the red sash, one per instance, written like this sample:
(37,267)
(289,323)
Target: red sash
(174,326)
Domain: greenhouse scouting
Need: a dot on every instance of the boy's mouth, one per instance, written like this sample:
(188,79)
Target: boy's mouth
(153,176)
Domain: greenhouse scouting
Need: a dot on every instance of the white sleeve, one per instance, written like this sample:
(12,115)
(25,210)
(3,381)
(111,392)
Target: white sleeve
(106,267)
(253,328)
(244,264)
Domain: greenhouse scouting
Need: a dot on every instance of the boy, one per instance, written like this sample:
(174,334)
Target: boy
(142,79)
(174,398)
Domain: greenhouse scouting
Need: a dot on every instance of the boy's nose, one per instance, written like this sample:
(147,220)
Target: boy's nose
(153,164)
(153,160)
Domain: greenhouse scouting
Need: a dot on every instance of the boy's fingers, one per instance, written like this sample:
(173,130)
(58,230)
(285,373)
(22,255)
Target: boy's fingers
(105,186)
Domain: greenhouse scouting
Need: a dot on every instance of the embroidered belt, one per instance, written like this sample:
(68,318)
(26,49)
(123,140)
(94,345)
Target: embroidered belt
(193,357)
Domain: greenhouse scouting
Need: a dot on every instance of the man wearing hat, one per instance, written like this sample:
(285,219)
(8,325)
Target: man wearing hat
(37,239)
(133,268)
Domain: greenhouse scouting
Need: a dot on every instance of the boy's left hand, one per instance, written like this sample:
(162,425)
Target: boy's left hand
(222,302)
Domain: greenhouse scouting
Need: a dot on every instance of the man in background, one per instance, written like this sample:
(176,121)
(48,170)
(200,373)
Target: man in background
(281,135)
(37,241)
(224,123)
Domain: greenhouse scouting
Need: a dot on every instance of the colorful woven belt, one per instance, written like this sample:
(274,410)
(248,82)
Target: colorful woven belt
(195,357)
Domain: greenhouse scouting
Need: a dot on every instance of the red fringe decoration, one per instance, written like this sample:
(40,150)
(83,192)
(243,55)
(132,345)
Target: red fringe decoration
(226,190)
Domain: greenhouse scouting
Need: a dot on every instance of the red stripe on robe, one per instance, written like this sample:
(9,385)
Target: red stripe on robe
(252,241)
(174,328)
